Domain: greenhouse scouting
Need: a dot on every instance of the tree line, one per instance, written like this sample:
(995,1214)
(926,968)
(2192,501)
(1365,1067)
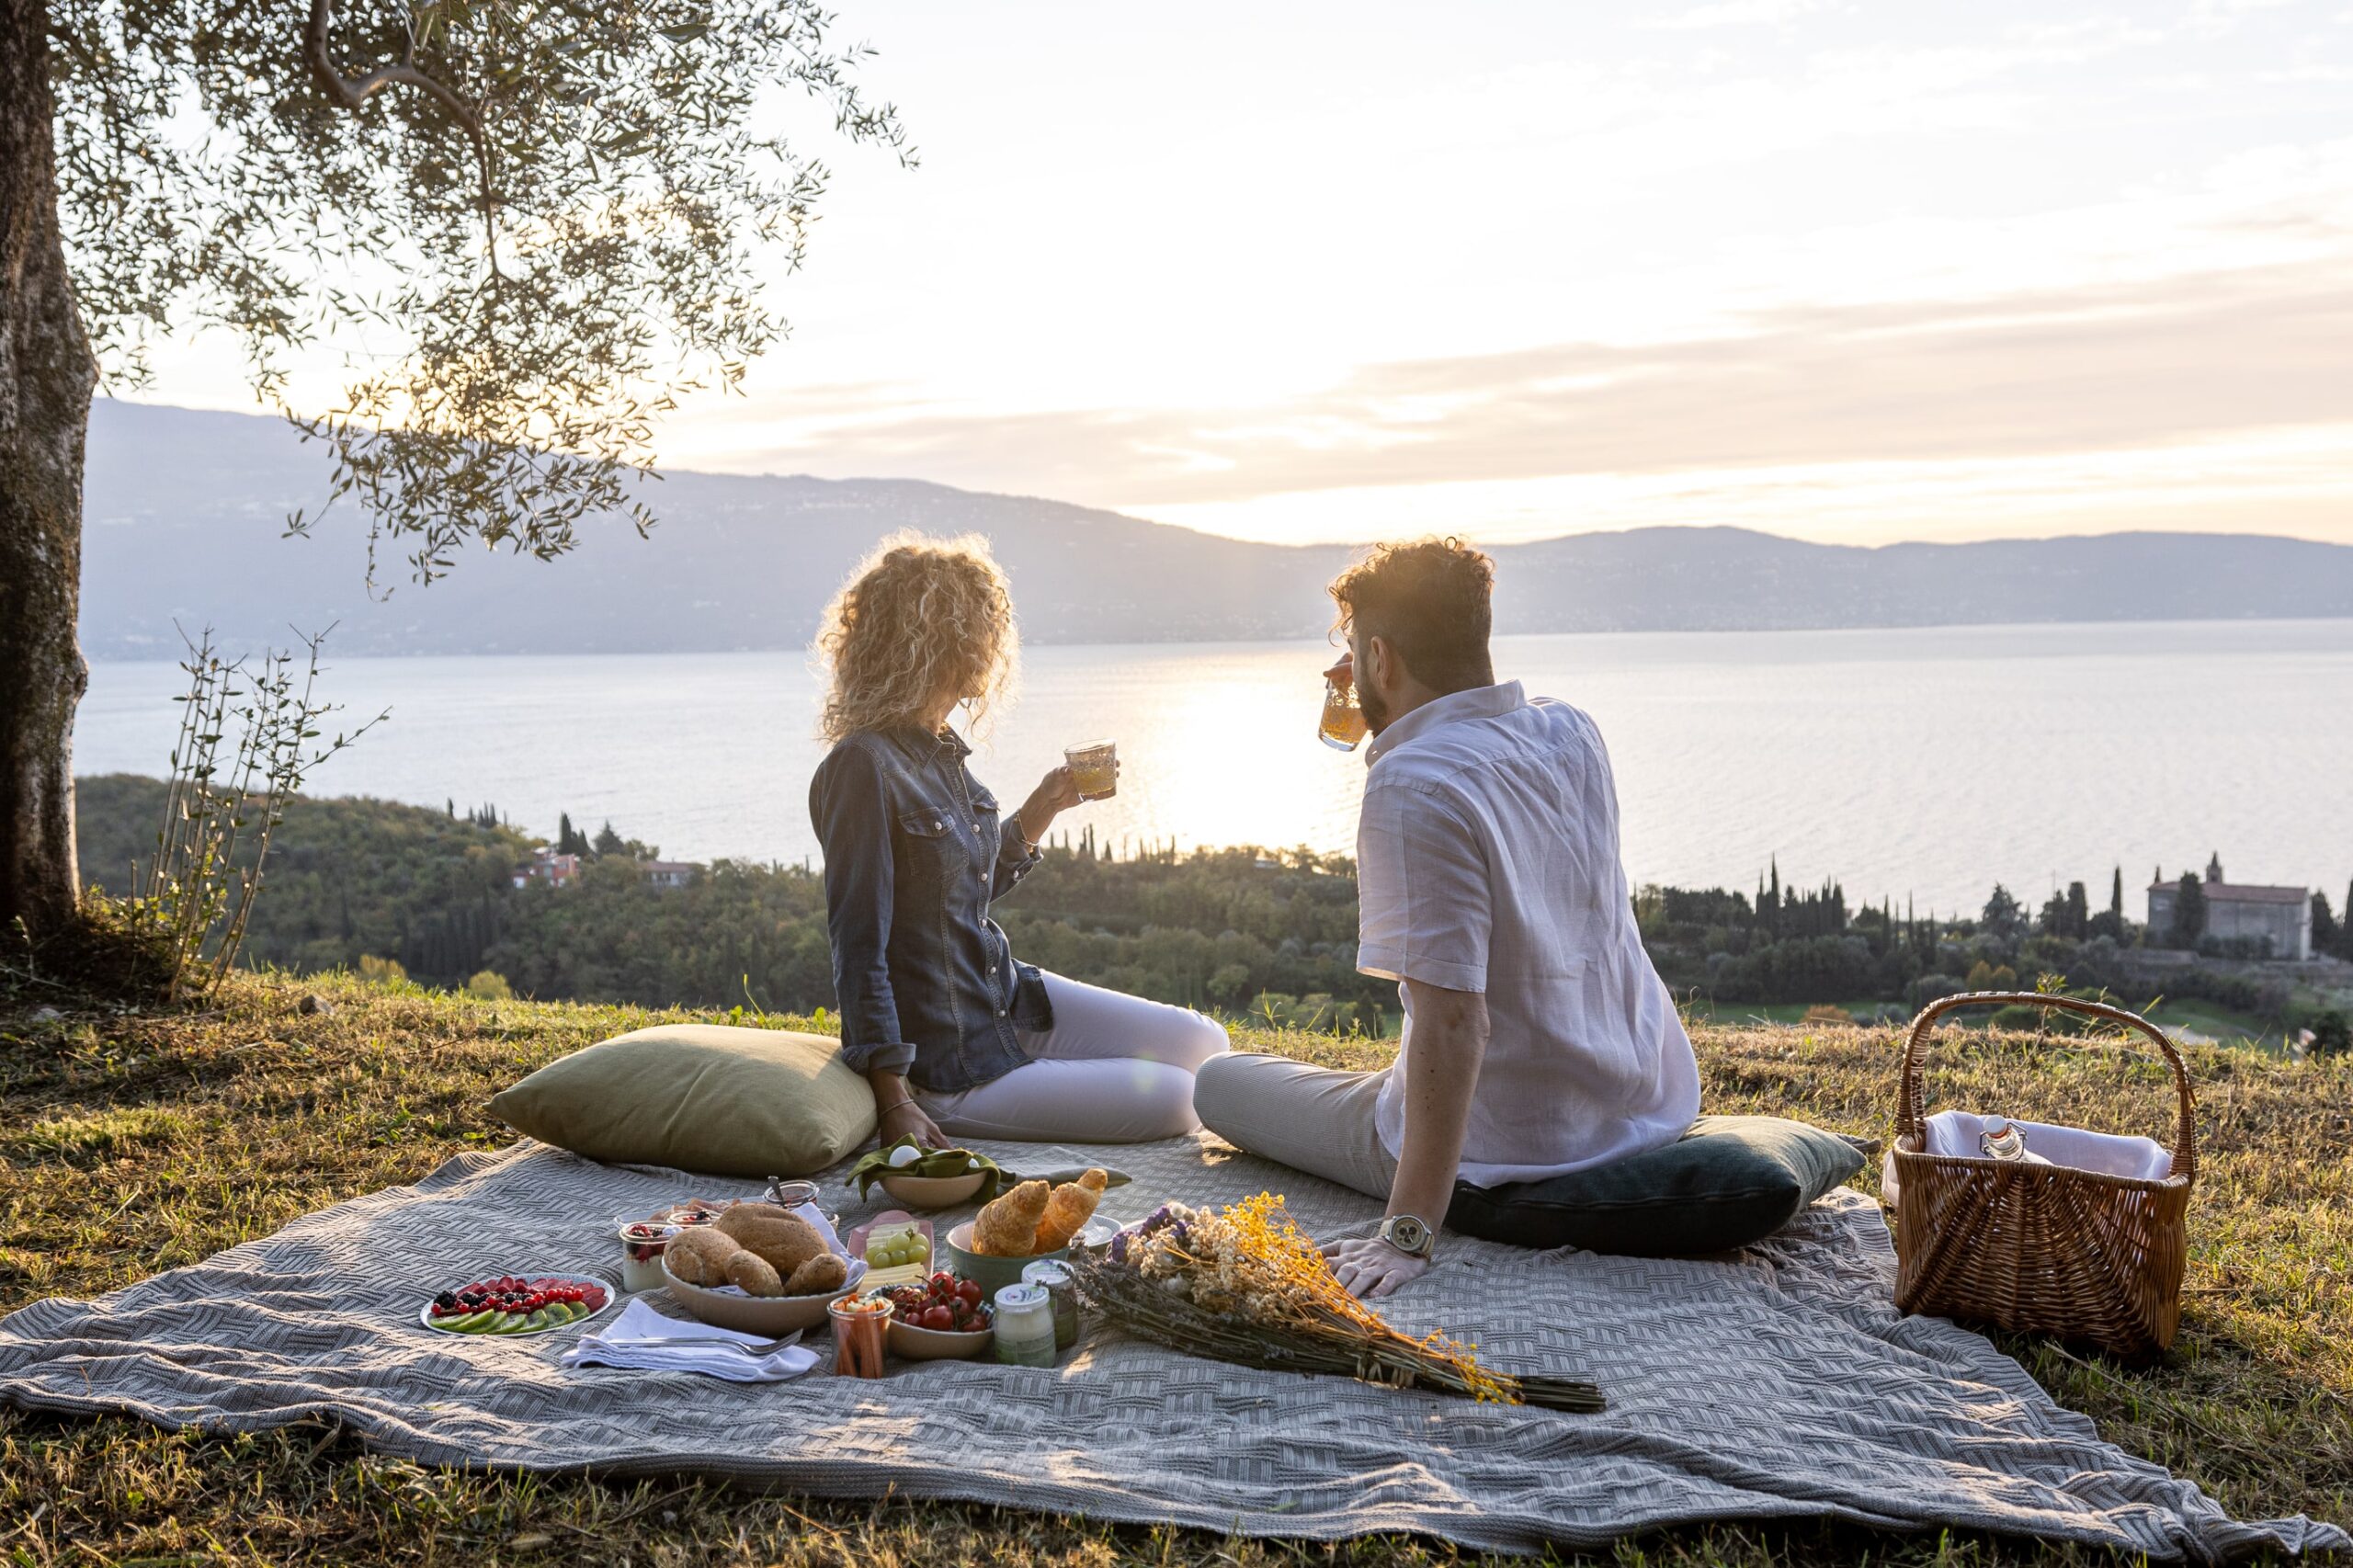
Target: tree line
(1243,931)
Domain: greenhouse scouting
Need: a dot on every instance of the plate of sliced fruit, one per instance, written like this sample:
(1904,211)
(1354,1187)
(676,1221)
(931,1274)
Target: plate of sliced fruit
(509,1304)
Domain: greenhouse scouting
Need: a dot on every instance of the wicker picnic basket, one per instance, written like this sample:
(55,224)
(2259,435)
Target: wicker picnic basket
(2077,1255)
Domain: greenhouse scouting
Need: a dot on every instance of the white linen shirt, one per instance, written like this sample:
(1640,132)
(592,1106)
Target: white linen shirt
(1487,860)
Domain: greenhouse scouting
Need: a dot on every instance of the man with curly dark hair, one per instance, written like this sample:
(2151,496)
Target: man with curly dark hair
(1539,1039)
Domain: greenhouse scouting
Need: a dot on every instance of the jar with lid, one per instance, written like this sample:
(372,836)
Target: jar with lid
(1025,1326)
(1062,1292)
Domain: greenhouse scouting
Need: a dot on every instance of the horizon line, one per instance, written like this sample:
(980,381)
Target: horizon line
(664,472)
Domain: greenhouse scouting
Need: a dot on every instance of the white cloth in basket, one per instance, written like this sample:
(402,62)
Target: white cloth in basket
(1955,1132)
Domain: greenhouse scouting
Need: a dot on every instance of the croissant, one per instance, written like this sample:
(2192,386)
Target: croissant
(1070,1207)
(1006,1225)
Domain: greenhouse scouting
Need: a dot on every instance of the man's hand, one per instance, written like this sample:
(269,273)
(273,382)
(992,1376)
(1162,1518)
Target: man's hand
(1344,674)
(1370,1266)
(907,1119)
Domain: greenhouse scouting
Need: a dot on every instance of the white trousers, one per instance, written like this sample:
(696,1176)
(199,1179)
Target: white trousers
(1114,1069)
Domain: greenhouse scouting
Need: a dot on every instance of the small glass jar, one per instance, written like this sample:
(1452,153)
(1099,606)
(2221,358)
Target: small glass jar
(862,1326)
(788,1193)
(1025,1326)
(1061,1294)
(642,1244)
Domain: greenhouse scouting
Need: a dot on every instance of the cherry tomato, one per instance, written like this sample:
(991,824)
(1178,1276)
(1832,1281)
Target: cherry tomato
(939,1318)
(968,1291)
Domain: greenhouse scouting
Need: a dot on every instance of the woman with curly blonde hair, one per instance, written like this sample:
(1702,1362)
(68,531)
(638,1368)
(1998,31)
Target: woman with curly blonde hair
(957,1038)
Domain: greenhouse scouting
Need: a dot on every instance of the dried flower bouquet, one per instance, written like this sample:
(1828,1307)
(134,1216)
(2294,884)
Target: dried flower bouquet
(1243,1285)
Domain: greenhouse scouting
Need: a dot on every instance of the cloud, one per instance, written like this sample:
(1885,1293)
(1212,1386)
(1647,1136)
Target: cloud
(1740,13)
(2157,362)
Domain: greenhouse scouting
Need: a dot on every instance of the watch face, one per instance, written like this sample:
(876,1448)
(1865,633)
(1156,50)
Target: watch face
(1408,1234)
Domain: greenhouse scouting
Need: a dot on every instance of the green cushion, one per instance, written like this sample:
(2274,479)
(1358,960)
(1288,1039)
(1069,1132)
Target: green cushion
(1728,1181)
(699,1096)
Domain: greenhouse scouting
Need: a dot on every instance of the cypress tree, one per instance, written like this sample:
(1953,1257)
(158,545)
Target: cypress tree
(2188,911)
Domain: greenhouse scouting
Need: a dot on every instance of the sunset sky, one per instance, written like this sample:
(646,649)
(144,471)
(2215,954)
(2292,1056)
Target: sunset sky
(1850,272)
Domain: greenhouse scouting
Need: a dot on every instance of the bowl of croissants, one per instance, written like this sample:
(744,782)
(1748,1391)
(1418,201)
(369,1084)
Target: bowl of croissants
(1025,1223)
(758,1269)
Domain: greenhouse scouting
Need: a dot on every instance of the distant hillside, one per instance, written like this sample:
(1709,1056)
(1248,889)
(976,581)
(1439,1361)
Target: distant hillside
(187,509)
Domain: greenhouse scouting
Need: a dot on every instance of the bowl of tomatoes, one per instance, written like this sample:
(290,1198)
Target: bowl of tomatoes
(944,1318)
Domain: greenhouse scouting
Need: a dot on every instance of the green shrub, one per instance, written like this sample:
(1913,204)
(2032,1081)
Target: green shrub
(382,972)
(489,985)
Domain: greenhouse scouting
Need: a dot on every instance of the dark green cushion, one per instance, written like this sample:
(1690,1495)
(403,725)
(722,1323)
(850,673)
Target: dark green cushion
(1728,1181)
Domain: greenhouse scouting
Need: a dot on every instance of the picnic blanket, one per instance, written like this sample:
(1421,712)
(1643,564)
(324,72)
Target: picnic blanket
(1776,1382)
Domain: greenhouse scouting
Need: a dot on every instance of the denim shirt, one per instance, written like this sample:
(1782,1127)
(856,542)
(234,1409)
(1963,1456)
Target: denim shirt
(914,855)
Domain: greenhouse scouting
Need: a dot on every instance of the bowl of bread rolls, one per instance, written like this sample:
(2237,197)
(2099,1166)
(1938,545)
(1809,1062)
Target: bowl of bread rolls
(758,1269)
(1030,1221)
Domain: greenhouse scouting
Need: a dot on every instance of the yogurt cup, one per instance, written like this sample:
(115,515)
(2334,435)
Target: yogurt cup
(642,1244)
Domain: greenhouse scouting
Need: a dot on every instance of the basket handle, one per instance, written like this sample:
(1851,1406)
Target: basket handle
(1911,1123)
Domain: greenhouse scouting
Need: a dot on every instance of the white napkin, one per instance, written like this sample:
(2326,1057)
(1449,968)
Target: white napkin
(644,1340)
(1955,1132)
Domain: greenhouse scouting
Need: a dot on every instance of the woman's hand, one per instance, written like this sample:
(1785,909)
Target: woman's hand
(1056,793)
(907,1119)
(895,1109)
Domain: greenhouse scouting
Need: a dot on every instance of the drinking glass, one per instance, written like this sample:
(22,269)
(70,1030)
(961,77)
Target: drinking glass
(1095,768)
(1342,727)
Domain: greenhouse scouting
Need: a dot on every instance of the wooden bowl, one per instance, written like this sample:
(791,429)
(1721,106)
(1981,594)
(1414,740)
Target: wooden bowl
(932,1192)
(912,1344)
(771,1317)
(994,1273)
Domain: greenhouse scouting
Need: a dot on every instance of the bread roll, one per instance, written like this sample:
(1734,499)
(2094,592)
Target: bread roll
(783,1241)
(698,1256)
(750,1273)
(821,1276)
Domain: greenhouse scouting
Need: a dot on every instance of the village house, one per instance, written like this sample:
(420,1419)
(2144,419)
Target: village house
(2235,911)
(668,873)
(546,866)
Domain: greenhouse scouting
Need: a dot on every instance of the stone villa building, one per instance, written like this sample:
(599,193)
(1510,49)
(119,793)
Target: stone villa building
(2283,916)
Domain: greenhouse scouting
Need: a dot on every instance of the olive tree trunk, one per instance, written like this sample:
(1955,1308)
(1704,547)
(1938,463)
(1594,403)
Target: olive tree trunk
(46,379)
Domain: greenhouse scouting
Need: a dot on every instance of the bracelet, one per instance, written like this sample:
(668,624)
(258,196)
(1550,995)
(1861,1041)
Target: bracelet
(885,1110)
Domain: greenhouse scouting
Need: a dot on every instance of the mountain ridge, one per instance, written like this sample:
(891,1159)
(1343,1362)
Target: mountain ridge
(185,512)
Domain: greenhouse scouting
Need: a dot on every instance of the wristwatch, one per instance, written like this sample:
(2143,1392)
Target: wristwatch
(1409,1235)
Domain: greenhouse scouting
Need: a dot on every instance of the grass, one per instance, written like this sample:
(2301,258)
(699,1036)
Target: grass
(1739,1014)
(132,1142)
(2217,1022)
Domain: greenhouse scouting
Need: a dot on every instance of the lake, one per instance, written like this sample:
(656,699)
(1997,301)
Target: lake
(1921,764)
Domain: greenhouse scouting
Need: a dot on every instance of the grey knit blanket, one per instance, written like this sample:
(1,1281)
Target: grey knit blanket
(1775,1383)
